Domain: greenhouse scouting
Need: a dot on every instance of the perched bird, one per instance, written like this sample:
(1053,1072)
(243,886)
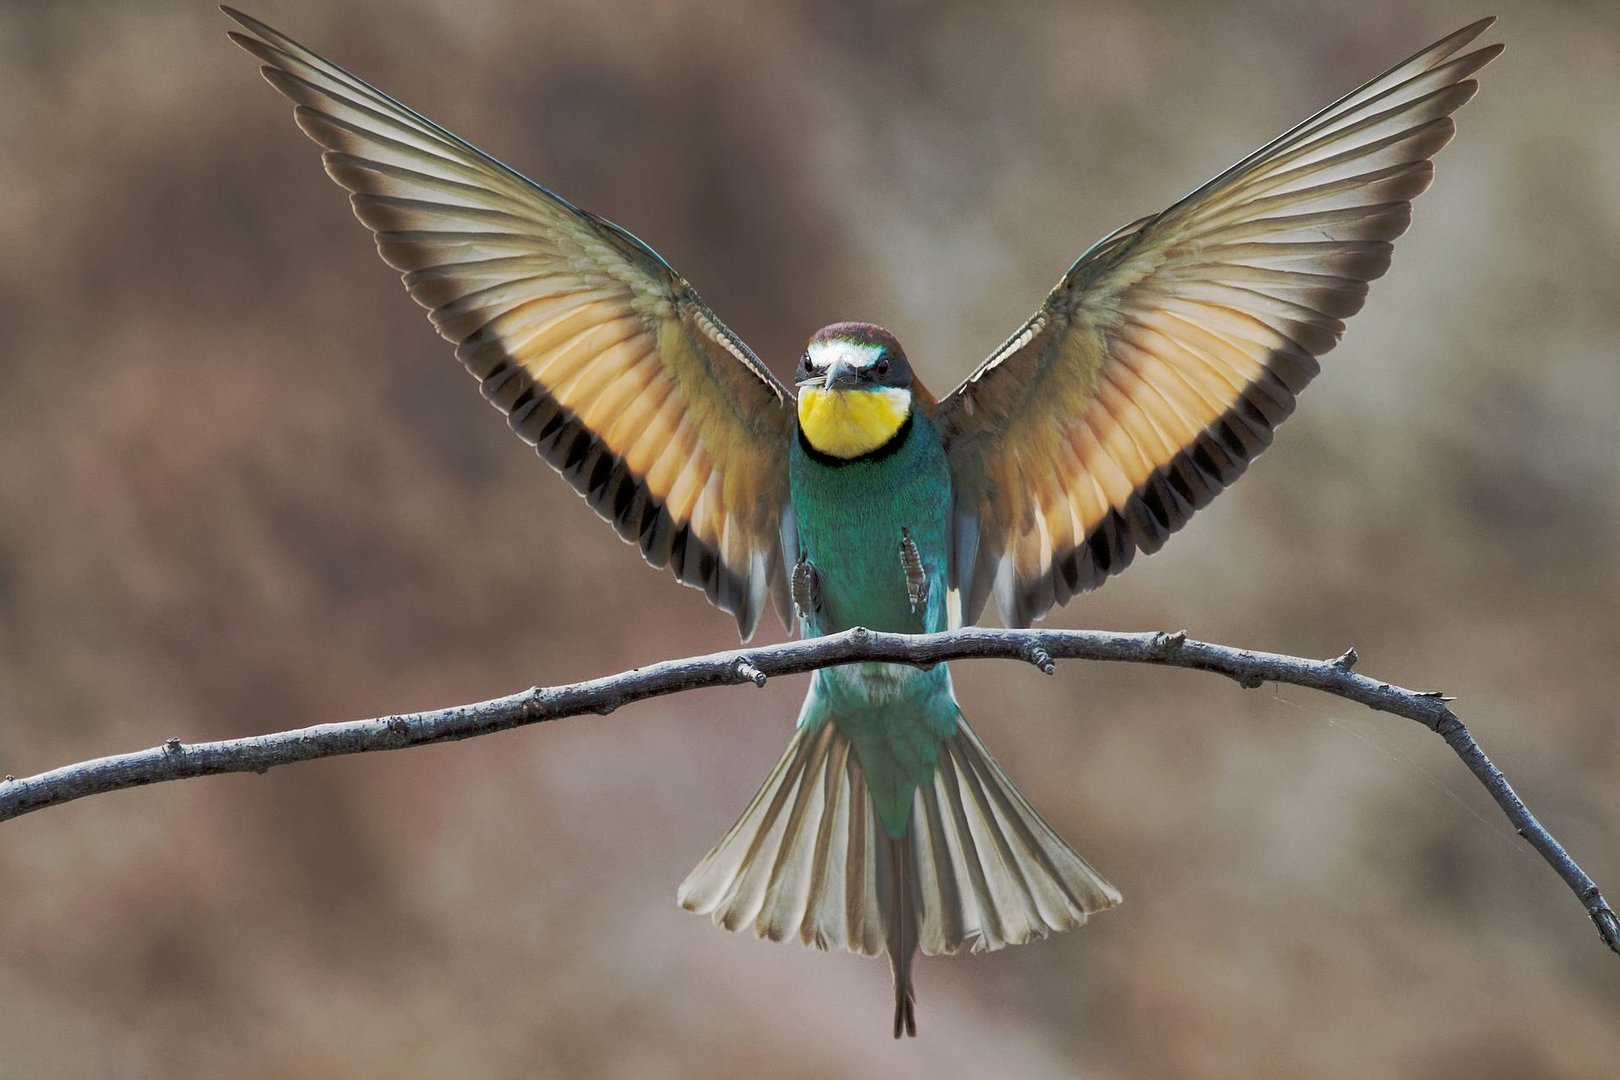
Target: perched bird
(1152,374)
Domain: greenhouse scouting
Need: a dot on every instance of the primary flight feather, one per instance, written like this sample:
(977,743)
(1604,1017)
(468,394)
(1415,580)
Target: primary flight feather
(1145,383)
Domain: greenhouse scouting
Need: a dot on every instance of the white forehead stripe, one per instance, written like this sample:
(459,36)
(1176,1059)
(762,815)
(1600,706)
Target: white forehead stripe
(855,354)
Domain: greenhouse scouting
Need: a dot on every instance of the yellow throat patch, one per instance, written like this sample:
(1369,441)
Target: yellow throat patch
(849,423)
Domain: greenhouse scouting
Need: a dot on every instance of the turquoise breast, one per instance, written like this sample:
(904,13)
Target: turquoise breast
(850,514)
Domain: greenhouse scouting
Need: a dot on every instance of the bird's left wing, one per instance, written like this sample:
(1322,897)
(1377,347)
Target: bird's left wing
(600,355)
(1158,367)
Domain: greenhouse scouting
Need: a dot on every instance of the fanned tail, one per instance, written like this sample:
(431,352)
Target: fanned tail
(977,865)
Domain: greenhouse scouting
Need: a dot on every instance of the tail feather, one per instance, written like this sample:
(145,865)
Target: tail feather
(900,937)
(1014,878)
(811,872)
(977,866)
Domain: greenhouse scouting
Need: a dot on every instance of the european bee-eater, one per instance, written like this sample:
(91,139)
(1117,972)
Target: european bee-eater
(1148,379)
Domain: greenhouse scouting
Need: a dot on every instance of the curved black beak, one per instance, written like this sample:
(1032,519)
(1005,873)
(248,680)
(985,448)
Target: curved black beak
(842,376)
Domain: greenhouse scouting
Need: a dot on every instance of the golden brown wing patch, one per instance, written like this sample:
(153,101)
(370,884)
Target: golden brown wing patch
(1163,361)
(600,355)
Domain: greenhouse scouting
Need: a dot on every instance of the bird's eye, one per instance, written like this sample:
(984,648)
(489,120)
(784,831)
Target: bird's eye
(881,368)
(804,366)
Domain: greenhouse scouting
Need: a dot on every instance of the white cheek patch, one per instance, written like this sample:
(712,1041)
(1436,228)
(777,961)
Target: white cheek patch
(855,354)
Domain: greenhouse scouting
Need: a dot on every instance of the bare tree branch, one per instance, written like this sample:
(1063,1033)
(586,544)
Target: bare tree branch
(175,760)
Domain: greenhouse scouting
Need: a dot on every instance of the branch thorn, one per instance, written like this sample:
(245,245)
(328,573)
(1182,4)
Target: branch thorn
(1165,642)
(747,672)
(1348,660)
(1036,654)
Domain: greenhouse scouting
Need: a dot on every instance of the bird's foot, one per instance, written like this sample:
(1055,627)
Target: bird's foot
(916,576)
(806,587)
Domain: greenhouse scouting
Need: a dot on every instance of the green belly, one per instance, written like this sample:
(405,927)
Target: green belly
(849,517)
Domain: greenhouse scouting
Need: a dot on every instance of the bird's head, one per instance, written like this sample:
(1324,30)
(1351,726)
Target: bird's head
(855,389)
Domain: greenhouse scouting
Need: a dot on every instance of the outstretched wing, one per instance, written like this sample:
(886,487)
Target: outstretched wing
(1161,363)
(600,355)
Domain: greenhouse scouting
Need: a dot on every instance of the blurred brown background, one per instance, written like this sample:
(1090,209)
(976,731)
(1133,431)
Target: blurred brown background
(243,487)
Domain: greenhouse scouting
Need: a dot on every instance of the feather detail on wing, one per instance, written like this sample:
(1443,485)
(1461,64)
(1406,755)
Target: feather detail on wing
(600,355)
(1160,365)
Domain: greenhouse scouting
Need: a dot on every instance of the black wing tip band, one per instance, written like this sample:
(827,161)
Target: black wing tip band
(1165,501)
(612,489)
